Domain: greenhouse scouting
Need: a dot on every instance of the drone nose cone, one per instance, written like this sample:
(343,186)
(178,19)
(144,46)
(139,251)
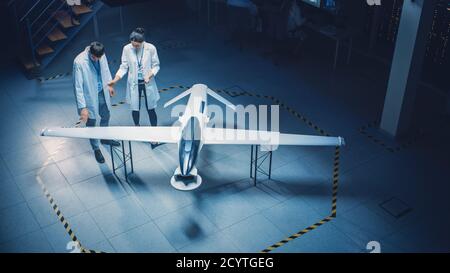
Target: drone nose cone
(44,132)
(200,85)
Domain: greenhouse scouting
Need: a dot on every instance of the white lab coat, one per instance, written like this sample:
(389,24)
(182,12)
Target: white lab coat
(86,85)
(73,2)
(150,61)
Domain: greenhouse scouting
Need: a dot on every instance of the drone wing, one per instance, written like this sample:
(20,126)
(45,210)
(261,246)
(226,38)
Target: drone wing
(163,134)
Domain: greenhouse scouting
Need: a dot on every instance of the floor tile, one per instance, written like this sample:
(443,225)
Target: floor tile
(27,159)
(185,226)
(68,203)
(50,175)
(254,234)
(119,216)
(16,221)
(80,168)
(99,190)
(9,194)
(82,225)
(145,238)
(216,243)
(33,242)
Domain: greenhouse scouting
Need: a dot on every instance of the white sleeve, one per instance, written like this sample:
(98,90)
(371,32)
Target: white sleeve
(155,62)
(123,69)
(78,86)
(108,72)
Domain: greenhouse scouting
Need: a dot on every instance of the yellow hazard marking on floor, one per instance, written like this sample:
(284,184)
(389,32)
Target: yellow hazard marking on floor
(335,166)
(374,139)
(62,75)
(283,106)
(321,222)
(55,206)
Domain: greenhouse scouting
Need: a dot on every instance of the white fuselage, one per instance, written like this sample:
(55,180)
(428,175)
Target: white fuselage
(193,121)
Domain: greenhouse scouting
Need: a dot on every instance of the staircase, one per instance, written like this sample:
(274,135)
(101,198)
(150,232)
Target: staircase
(45,27)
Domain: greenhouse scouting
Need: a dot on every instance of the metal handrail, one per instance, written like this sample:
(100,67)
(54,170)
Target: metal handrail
(48,19)
(46,34)
(10,2)
(28,12)
(42,13)
(36,45)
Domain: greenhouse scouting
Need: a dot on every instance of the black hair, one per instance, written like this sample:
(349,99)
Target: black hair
(97,49)
(138,35)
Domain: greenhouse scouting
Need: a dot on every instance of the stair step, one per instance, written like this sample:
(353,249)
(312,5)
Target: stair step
(56,35)
(82,9)
(28,64)
(44,50)
(64,19)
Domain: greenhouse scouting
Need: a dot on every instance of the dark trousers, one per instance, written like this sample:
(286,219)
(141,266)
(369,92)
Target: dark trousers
(104,113)
(151,113)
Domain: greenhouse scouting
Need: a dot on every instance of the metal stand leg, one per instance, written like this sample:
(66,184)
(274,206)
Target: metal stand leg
(112,158)
(124,161)
(115,151)
(251,162)
(256,164)
(131,156)
(255,168)
(270,165)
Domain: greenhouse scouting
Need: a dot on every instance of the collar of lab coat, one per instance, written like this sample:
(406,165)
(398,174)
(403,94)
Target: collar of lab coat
(103,66)
(146,48)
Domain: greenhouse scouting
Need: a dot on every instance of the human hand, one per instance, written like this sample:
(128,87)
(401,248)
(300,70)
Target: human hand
(84,115)
(111,90)
(148,77)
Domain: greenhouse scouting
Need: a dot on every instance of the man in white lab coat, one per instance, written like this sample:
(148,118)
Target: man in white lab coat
(91,76)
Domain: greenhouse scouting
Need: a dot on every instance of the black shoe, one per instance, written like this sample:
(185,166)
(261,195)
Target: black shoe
(154,144)
(99,157)
(75,21)
(110,142)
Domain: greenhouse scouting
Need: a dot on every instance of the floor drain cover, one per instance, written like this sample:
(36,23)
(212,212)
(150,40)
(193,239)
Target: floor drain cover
(395,207)
(234,91)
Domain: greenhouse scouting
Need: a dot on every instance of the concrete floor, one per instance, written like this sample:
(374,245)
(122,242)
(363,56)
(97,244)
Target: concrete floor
(227,214)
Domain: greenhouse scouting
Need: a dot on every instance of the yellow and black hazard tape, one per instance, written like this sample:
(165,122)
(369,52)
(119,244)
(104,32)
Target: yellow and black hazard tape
(172,44)
(297,235)
(55,206)
(280,103)
(117,104)
(160,91)
(335,181)
(63,220)
(335,165)
(62,75)
(373,124)
(173,87)
(291,111)
(324,220)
